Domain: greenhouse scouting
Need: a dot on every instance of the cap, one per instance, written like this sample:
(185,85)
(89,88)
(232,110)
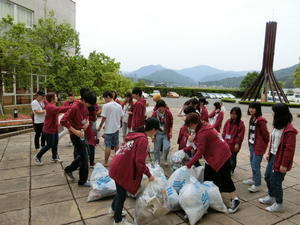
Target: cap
(152,123)
(156,97)
(41,93)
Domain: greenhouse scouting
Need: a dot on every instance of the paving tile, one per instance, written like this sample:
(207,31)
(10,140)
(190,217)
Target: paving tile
(285,222)
(94,209)
(45,169)
(50,195)
(78,191)
(250,214)
(292,196)
(13,185)
(103,220)
(168,219)
(297,187)
(245,195)
(14,201)
(19,217)
(14,173)
(291,181)
(56,213)
(216,218)
(48,180)
(295,219)
(8,164)
(76,223)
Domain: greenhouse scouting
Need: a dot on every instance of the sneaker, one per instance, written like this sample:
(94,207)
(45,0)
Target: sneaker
(123,222)
(268,200)
(37,161)
(235,203)
(86,184)
(56,160)
(70,175)
(111,212)
(254,189)
(248,182)
(275,207)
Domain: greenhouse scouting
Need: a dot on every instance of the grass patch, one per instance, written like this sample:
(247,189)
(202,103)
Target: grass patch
(228,100)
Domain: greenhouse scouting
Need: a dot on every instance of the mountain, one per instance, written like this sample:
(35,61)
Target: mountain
(198,72)
(284,73)
(144,71)
(223,75)
(231,82)
(169,77)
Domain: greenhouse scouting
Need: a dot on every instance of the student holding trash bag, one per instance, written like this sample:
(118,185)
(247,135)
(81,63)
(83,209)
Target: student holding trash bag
(280,156)
(128,166)
(216,117)
(209,144)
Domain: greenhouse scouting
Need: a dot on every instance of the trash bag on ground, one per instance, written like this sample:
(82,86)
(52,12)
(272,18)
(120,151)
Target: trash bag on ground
(172,198)
(177,159)
(198,172)
(194,200)
(151,204)
(215,198)
(179,178)
(102,185)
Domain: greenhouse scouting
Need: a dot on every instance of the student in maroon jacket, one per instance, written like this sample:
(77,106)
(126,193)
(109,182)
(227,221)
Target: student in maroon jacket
(50,128)
(233,134)
(202,109)
(258,140)
(216,153)
(127,106)
(279,156)
(216,117)
(70,99)
(139,109)
(77,120)
(162,138)
(128,166)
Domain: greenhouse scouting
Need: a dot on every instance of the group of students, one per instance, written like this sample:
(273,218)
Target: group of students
(200,136)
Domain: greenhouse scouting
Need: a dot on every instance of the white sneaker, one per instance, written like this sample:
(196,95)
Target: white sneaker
(123,222)
(56,160)
(254,189)
(37,161)
(275,207)
(112,212)
(248,182)
(268,200)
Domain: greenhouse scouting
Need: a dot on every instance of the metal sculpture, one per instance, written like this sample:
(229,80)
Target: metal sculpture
(266,80)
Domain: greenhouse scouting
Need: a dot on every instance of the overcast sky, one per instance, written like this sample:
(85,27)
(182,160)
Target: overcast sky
(226,34)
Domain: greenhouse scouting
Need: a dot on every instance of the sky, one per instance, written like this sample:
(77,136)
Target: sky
(226,34)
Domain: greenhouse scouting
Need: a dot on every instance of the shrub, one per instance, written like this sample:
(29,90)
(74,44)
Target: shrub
(228,100)
(291,105)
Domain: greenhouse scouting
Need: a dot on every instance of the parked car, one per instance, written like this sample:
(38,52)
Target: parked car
(293,97)
(155,92)
(231,96)
(224,95)
(201,95)
(218,95)
(172,94)
(211,95)
(145,95)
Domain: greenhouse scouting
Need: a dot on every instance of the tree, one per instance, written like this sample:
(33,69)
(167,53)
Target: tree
(140,83)
(248,80)
(297,77)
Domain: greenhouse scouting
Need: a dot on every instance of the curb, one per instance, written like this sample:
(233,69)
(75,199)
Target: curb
(11,134)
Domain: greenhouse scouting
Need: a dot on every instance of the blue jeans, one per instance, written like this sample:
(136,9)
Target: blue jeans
(161,139)
(111,140)
(52,142)
(274,181)
(255,161)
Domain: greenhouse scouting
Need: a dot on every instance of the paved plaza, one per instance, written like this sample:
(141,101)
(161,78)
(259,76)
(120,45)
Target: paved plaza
(42,195)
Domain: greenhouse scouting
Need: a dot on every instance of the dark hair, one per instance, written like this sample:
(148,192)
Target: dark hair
(150,123)
(194,101)
(217,105)
(82,91)
(188,102)
(238,112)
(203,100)
(90,97)
(107,94)
(115,95)
(189,109)
(128,95)
(192,118)
(50,96)
(70,94)
(282,115)
(137,91)
(257,106)
(160,103)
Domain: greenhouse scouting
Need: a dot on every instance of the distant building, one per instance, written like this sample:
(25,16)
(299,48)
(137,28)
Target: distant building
(29,12)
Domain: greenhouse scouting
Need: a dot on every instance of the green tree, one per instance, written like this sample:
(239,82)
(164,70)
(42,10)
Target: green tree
(140,83)
(248,80)
(297,77)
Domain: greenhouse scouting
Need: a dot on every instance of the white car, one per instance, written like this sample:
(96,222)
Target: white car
(231,96)
(155,92)
(145,95)
(293,97)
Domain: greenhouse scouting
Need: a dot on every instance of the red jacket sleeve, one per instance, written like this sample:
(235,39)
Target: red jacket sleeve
(200,147)
(180,135)
(211,114)
(62,109)
(262,125)
(240,134)
(224,129)
(139,116)
(219,121)
(141,156)
(171,120)
(204,114)
(289,151)
(65,119)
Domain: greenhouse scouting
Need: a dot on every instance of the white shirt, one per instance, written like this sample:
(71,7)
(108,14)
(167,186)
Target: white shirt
(113,113)
(276,136)
(125,113)
(36,105)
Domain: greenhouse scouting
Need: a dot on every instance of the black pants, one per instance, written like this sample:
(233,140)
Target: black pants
(92,154)
(222,178)
(197,163)
(233,161)
(52,142)
(38,128)
(118,203)
(80,160)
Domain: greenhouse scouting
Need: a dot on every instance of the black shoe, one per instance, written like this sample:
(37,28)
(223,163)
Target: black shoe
(70,175)
(235,203)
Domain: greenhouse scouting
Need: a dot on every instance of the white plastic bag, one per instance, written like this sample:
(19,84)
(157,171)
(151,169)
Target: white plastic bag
(152,203)
(198,172)
(102,185)
(194,200)
(215,198)
(172,198)
(179,178)
(177,159)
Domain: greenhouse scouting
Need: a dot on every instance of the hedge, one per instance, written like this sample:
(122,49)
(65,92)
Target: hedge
(190,92)
(291,105)
(228,100)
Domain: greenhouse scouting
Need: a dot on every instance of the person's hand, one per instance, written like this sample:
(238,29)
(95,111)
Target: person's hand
(191,138)
(78,133)
(282,169)
(267,156)
(236,147)
(151,178)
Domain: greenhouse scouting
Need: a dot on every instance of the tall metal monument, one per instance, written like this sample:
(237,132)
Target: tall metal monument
(266,80)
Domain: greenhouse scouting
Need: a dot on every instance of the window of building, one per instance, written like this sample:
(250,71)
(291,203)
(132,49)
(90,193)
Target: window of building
(6,8)
(24,15)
